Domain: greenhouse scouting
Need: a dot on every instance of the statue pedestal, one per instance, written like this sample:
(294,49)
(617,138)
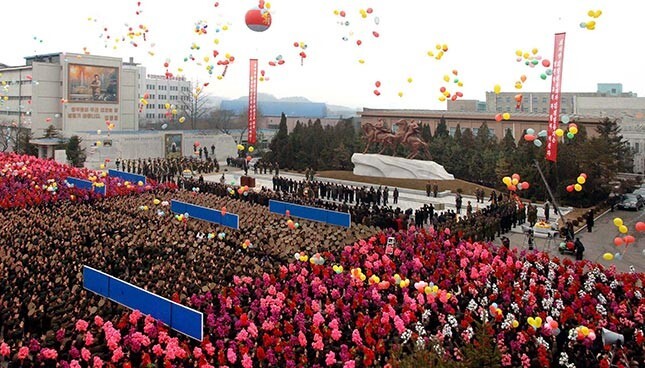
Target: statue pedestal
(398,167)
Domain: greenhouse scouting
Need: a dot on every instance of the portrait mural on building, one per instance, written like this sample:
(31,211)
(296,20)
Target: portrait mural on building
(90,83)
(172,145)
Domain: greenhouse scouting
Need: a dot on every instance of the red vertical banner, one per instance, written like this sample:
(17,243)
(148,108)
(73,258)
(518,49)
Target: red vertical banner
(253,100)
(554,103)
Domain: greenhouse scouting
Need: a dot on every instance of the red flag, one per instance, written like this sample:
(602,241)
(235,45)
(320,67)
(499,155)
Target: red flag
(554,103)
(253,99)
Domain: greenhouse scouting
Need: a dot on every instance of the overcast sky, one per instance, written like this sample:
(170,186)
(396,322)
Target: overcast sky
(482,38)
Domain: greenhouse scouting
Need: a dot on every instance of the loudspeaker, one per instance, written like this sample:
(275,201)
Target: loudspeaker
(610,337)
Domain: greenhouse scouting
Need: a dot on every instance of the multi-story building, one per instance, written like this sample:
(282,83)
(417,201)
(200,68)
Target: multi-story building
(72,92)
(161,90)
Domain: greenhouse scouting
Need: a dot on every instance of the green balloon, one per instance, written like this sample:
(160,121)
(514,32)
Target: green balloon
(570,135)
(543,76)
(534,62)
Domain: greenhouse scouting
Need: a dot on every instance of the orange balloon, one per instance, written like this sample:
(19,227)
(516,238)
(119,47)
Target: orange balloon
(523,78)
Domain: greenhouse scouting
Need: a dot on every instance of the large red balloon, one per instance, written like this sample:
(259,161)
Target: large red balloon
(640,226)
(257,21)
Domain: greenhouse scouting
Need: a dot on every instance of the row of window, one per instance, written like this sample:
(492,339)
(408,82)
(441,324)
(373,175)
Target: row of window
(453,130)
(152,87)
(523,108)
(563,99)
(152,115)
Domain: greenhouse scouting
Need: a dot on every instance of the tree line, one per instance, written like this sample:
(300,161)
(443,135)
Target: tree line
(475,157)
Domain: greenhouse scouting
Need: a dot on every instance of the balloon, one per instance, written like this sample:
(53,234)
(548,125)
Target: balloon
(542,133)
(515,176)
(546,63)
(529,137)
(498,117)
(400,94)
(506,116)
(514,181)
(525,185)
(258,20)
(497,89)
(537,143)
(581,180)
(251,149)
(608,256)
(629,239)
(559,132)
(618,221)
(506,180)
(618,241)
(240,147)
(523,78)
(623,229)
(409,79)
(573,130)
(570,135)
(530,131)
(640,226)
(182,120)
(564,119)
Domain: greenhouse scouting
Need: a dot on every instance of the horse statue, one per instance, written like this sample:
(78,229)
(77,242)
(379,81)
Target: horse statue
(409,137)
(376,133)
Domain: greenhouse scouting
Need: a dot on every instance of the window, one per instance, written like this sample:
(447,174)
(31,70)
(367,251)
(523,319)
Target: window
(534,109)
(508,99)
(544,109)
(637,147)
(543,99)
(499,109)
(564,110)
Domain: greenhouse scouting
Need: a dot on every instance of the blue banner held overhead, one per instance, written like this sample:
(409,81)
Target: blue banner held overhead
(311,213)
(176,316)
(206,214)
(133,178)
(86,185)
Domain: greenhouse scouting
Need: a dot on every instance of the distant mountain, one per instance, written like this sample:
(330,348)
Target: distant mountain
(332,110)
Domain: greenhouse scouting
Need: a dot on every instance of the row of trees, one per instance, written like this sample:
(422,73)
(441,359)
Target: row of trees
(476,157)
(22,144)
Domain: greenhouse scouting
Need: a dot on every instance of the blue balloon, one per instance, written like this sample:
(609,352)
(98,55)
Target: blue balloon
(537,143)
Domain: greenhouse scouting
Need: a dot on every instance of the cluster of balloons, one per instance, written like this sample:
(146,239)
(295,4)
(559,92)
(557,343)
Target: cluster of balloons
(402,282)
(201,28)
(591,24)
(337,268)
(240,147)
(317,259)
(502,116)
(513,183)
(532,59)
(246,244)
(182,217)
(530,136)
(303,46)
(580,180)
(292,225)
(445,93)
(535,322)
(626,240)
(243,190)
(572,128)
(583,332)
(302,257)
(358,274)
(622,228)
(441,50)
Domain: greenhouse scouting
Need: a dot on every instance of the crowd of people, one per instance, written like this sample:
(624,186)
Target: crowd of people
(168,169)
(312,295)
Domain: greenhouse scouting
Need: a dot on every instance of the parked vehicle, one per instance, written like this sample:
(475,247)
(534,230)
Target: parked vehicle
(632,201)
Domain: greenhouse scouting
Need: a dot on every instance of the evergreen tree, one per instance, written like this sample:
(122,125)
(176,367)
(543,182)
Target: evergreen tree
(279,142)
(484,138)
(507,144)
(75,154)
(426,132)
(22,143)
(52,132)
(483,351)
(617,148)
(442,129)
(457,136)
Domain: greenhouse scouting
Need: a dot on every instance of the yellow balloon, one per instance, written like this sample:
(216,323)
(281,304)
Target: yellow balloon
(506,116)
(518,53)
(400,94)
(623,229)
(608,256)
(167,106)
(442,98)
(506,180)
(559,132)
(573,130)
(174,111)
(251,149)
(497,89)
(581,180)
(430,53)
(534,51)
(361,61)
(182,119)
(577,187)
(597,13)
(618,221)
(591,13)
(584,330)
(410,80)
(514,181)
(446,78)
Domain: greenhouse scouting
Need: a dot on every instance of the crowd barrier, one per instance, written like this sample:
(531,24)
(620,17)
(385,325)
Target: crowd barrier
(176,316)
(85,184)
(133,178)
(207,214)
(311,213)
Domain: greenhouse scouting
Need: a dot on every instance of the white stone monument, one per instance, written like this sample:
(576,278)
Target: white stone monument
(398,167)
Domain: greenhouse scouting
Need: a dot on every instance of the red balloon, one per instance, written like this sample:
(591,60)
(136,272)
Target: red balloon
(454,97)
(359,42)
(378,84)
(376,92)
(498,117)
(459,94)
(376,34)
(281,61)
(525,185)
(546,63)
(342,13)
(529,137)
(442,89)
(272,63)
(618,241)
(570,188)
(629,239)
(369,10)
(640,226)
(515,176)
(570,245)
(296,44)
(512,187)
(257,21)
(583,175)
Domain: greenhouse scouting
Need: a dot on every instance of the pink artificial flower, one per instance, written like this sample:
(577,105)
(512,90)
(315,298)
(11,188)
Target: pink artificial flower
(231,356)
(157,350)
(4,349)
(398,324)
(134,317)
(81,325)
(49,353)
(335,334)
(356,337)
(85,354)
(330,359)
(253,330)
(506,360)
(302,339)
(246,361)
(197,352)
(74,364)
(350,364)
(117,355)
(318,344)
(98,362)
(89,338)
(318,319)
(23,352)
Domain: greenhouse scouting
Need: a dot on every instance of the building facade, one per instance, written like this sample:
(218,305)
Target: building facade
(72,92)
(160,90)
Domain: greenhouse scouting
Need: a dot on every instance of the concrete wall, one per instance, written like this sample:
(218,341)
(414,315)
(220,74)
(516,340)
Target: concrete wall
(150,145)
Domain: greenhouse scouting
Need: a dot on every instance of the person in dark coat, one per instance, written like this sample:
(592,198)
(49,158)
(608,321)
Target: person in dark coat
(579,249)
(590,220)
